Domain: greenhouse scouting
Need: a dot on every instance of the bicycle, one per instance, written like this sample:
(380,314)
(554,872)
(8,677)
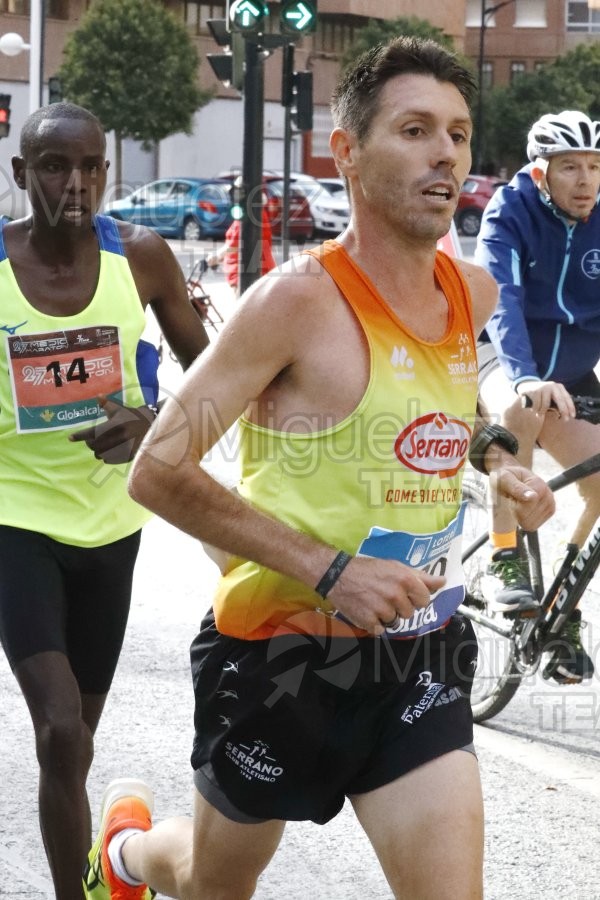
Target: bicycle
(511,646)
(201,302)
(198,297)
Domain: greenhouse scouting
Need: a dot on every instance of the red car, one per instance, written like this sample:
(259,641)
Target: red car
(301,222)
(474,197)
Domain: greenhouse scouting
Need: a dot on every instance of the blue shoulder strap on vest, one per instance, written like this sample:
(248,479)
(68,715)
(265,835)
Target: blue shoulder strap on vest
(2,249)
(106,231)
(108,235)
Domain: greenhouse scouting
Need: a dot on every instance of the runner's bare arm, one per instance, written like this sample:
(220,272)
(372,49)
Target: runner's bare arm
(160,284)
(268,335)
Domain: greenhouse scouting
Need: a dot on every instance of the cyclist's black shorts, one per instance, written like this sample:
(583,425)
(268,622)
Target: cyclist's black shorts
(74,600)
(587,386)
(286,728)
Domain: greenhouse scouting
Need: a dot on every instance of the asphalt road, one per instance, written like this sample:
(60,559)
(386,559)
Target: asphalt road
(540,760)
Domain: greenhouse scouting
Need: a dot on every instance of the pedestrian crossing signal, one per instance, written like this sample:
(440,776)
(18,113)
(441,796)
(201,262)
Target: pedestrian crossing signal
(5,115)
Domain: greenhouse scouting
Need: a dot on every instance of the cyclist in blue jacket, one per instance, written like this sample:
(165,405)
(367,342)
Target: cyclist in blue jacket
(540,239)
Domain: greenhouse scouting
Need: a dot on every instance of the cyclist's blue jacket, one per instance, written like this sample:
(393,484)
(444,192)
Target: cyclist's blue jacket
(547,322)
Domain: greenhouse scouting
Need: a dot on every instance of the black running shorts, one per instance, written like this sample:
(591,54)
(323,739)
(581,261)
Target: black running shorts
(286,728)
(74,600)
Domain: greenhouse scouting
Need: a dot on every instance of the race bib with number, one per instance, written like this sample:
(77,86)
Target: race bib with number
(56,376)
(438,553)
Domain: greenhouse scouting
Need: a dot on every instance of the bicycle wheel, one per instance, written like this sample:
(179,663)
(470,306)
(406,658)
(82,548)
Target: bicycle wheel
(497,677)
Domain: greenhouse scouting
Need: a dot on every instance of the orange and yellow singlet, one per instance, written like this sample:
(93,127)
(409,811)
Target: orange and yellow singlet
(385,481)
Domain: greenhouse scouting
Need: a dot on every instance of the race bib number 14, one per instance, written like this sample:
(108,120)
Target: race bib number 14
(56,377)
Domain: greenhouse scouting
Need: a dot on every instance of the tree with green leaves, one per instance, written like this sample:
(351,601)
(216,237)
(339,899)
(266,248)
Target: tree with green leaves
(582,66)
(570,82)
(380,31)
(134,65)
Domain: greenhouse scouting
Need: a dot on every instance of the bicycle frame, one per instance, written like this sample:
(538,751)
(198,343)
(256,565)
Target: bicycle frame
(589,466)
(512,646)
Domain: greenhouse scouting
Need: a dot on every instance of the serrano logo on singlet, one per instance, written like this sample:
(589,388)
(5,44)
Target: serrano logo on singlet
(254,761)
(434,445)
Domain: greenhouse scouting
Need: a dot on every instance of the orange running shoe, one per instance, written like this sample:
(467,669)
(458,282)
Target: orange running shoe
(127,803)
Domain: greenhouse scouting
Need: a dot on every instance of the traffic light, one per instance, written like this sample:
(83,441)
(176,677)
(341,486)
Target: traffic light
(238,199)
(246,16)
(4,115)
(228,66)
(302,102)
(55,94)
(298,16)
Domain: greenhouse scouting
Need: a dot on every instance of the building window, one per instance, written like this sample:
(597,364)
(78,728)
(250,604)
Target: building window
(473,19)
(516,70)
(530,14)
(322,125)
(197,14)
(334,34)
(55,9)
(583,16)
(474,10)
(18,7)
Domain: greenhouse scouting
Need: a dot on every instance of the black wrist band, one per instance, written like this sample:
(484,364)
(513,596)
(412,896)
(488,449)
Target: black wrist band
(333,573)
(490,434)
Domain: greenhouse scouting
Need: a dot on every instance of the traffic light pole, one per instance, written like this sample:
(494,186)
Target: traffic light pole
(287,76)
(251,243)
(245,17)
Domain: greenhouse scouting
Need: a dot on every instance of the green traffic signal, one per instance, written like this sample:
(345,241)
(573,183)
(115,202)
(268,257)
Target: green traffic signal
(246,16)
(298,16)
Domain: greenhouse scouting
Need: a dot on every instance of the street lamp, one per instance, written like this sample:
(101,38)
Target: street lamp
(486,12)
(12,44)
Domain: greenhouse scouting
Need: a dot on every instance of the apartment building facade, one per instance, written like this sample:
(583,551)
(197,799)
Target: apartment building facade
(518,36)
(521,35)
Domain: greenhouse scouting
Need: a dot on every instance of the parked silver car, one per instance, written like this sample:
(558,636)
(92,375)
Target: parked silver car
(330,208)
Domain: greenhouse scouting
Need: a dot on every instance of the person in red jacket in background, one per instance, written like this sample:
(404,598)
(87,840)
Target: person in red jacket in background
(229,254)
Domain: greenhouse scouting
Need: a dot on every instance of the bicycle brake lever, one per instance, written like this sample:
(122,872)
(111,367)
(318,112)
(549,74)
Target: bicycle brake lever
(587,408)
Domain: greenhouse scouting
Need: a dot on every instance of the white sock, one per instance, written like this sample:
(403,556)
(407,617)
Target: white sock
(116,860)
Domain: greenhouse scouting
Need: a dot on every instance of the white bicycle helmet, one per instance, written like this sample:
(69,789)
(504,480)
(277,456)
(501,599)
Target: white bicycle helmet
(568,131)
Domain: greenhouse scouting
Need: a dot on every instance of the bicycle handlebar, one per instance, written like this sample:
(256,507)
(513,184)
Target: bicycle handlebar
(587,408)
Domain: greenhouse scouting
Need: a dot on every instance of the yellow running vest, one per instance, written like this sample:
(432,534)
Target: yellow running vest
(52,369)
(386,481)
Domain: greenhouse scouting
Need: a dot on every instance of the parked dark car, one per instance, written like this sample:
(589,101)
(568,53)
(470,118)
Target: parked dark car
(474,197)
(301,222)
(189,208)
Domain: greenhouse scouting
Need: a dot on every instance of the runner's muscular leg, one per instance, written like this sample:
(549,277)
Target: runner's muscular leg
(207,858)
(427,829)
(570,442)
(64,747)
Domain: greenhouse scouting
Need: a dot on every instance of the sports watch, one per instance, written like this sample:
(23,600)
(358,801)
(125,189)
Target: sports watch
(490,434)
